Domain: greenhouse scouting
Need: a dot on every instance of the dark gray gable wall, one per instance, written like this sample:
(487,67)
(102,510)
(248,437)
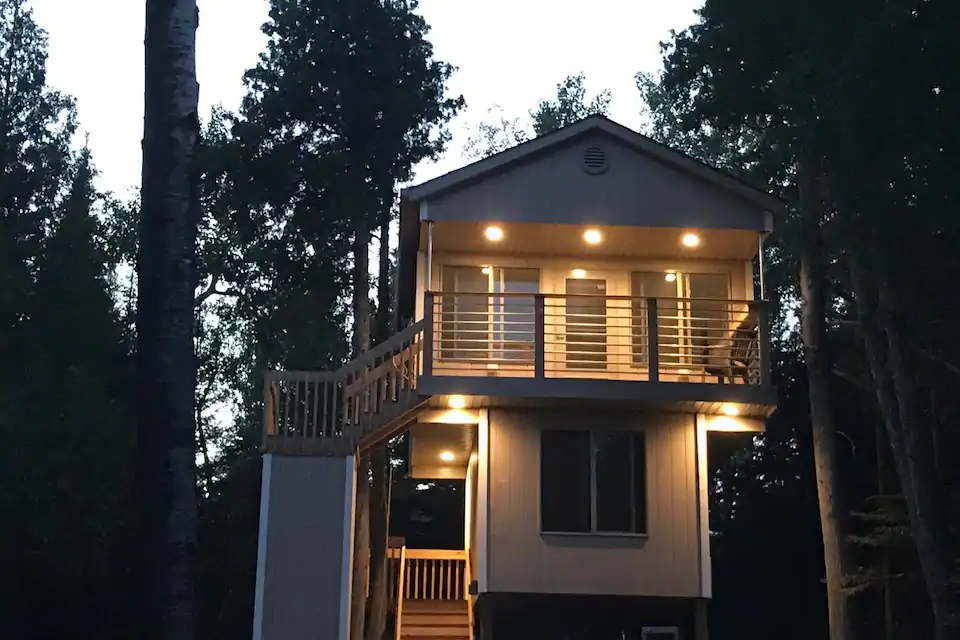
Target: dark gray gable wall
(635,189)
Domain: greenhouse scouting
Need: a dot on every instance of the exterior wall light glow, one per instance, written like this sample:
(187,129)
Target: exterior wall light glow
(485,271)
(447,456)
(493,234)
(457,402)
(730,410)
(670,276)
(690,240)
(592,236)
(579,273)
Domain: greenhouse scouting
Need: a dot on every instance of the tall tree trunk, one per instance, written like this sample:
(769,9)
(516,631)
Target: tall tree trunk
(379,510)
(883,332)
(361,550)
(361,287)
(384,291)
(166,367)
(833,513)
(361,344)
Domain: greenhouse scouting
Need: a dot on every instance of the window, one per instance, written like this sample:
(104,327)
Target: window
(481,326)
(593,481)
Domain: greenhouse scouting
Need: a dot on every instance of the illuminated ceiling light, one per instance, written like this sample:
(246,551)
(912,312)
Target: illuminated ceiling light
(457,402)
(670,276)
(485,271)
(730,410)
(579,273)
(690,240)
(592,236)
(493,234)
(447,456)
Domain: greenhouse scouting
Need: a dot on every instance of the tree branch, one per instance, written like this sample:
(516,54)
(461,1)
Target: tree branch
(212,290)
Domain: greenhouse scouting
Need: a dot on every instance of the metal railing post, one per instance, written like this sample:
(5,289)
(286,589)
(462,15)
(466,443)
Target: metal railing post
(653,343)
(428,333)
(539,325)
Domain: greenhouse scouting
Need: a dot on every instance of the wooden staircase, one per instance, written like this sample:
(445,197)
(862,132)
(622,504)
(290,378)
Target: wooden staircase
(434,620)
(335,412)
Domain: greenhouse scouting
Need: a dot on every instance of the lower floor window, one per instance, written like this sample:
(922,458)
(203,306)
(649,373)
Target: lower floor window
(593,481)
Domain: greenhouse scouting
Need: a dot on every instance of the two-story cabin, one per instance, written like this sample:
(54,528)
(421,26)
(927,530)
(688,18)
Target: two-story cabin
(576,315)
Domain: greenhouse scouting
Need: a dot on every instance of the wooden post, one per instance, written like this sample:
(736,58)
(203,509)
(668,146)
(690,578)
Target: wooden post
(539,324)
(653,346)
(428,333)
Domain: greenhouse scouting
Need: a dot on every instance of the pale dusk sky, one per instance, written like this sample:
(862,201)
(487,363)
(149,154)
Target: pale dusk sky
(510,53)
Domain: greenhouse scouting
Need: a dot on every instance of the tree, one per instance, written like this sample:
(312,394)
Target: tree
(353,102)
(802,86)
(166,367)
(569,105)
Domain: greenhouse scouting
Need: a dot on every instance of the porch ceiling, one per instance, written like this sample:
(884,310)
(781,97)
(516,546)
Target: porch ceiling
(430,445)
(567,240)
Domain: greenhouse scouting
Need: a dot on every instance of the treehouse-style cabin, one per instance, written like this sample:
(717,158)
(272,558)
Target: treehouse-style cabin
(575,315)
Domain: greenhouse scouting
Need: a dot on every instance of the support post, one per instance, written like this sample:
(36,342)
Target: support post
(428,331)
(653,343)
(539,325)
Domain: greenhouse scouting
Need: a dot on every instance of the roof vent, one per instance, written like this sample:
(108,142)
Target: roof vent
(595,160)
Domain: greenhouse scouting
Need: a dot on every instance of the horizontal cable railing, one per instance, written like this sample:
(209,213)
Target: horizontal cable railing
(597,336)
(306,407)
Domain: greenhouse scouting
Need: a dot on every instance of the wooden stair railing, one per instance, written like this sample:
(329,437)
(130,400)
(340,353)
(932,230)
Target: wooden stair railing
(323,412)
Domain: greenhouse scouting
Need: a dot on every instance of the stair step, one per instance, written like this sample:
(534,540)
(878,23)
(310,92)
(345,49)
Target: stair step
(433,632)
(435,605)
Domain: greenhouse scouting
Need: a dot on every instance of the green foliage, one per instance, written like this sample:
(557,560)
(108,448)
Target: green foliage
(568,106)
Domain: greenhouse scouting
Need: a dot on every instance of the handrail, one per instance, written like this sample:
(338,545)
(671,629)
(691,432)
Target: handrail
(318,411)
(627,338)
(400,586)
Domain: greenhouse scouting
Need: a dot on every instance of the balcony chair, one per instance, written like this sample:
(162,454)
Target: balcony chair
(735,356)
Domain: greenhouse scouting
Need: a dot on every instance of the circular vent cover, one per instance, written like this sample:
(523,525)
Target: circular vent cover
(595,160)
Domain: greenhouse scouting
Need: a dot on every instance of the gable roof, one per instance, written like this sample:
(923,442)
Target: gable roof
(592,124)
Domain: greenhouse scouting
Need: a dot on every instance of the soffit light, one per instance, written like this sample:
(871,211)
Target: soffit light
(493,234)
(730,410)
(457,402)
(447,456)
(592,236)
(690,240)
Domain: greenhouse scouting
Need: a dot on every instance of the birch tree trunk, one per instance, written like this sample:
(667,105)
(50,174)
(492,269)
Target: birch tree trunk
(166,367)
(833,513)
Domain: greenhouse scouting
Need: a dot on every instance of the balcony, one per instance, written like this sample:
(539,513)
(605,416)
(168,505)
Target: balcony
(690,354)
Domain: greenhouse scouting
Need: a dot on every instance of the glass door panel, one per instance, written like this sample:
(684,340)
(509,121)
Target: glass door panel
(585,324)
(666,289)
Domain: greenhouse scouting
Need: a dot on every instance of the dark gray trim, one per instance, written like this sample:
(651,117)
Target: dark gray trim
(660,394)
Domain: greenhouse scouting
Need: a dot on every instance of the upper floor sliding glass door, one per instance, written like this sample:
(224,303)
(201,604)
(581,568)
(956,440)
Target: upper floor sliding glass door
(487,314)
(693,312)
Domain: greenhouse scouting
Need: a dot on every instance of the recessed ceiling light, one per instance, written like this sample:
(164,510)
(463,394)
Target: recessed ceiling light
(447,456)
(670,276)
(730,410)
(592,236)
(493,234)
(457,402)
(579,273)
(690,240)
